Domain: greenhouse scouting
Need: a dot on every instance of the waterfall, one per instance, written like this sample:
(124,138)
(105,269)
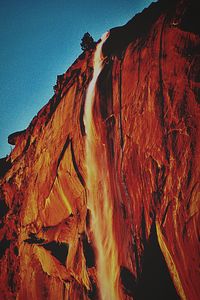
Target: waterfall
(100,200)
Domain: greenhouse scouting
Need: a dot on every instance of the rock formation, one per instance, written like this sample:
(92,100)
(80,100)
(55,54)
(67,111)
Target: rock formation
(146,127)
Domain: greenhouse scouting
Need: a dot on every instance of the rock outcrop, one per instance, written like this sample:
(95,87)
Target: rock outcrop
(146,114)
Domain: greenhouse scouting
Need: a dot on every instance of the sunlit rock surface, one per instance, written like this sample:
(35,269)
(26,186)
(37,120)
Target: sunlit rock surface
(146,113)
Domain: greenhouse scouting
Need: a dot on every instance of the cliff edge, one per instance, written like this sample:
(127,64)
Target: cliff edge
(146,113)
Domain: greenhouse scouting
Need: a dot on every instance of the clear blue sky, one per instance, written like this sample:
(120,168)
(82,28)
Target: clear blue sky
(40,39)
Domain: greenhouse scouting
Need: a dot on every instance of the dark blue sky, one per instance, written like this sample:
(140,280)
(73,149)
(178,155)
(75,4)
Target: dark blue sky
(40,39)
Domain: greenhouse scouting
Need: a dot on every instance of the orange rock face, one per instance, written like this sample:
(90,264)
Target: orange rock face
(141,224)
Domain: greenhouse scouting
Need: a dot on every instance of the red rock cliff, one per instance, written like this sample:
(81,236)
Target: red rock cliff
(146,118)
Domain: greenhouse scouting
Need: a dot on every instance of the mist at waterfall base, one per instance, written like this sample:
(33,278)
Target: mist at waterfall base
(40,40)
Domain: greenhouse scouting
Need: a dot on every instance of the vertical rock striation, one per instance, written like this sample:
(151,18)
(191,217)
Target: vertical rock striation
(146,119)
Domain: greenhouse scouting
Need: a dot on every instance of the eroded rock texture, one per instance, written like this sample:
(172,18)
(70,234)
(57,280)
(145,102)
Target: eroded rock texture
(146,114)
